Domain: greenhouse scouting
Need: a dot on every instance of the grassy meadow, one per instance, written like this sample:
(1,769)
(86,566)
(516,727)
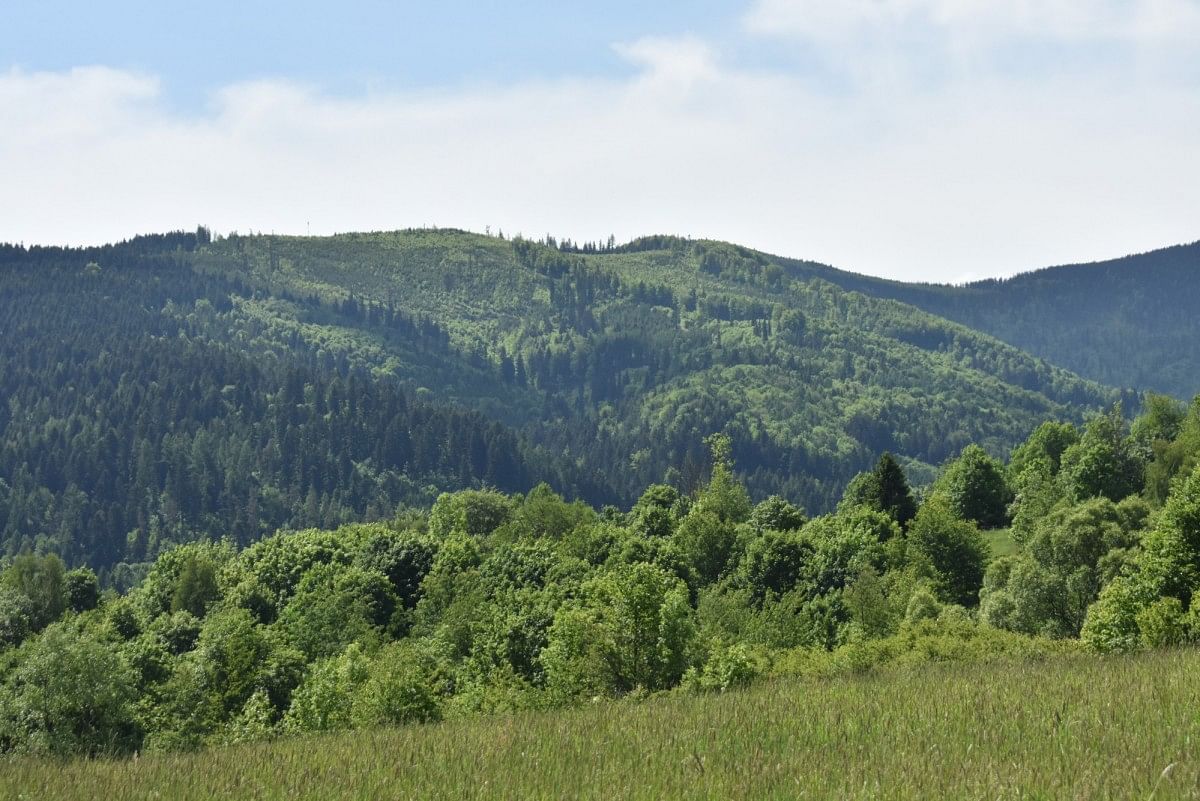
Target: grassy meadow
(1085,728)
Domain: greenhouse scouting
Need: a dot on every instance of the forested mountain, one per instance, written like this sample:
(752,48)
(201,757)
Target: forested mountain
(136,416)
(1127,322)
(176,386)
(627,357)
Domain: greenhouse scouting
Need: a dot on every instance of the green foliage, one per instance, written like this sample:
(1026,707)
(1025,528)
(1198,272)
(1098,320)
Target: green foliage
(42,580)
(16,616)
(1072,553)
(867,603)
(513,603)
(1162,623)
(334,606)
(725,496)
(657,511)
(325,700)
(1103,462)
(196,585)
(70,693)
(472,512)
(398,689)
(975,488)
(777,514)
(1168,566)
(1172,457)
(632,629)
(404,557)
(726,668)
(1048,442)
(884,489)
(953,547)
(923,605)
(774,563)
(707,543)
(82,589)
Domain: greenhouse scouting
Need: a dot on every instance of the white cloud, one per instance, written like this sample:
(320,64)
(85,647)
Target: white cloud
(1064,20)
(977,178)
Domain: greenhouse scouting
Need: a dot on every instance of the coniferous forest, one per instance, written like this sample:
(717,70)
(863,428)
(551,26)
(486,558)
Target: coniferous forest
(255,486)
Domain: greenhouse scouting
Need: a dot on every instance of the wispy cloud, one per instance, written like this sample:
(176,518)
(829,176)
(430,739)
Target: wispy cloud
(1064,20)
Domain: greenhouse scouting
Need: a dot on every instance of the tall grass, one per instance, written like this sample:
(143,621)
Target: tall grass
(1069,728)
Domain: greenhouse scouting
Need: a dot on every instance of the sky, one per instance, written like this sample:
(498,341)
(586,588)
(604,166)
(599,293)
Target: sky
(924,140)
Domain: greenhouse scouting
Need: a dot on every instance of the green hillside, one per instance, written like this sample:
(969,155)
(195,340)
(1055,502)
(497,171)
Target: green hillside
(175,387)
(145,405)
(1007,730)
(1127,322)
(625,358)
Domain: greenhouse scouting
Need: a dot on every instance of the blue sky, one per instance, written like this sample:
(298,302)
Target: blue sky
(196,48)
(921,139)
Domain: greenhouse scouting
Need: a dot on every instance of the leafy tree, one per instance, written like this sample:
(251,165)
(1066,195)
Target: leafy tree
(884,489)
(545,514)
(975,488)
(656,511)
(1048,442)
(774,563)
(1103,462)
(844,545)
(954,547)
(41,579)
(69,694)
(777,514)
(1168,566)
(404,557)
(1162,623)
(82,589)
(196,585)
(1171,456)
(922,605)
(16,616)
(324,701)
(726,668)
(867,602)
(472,512)
(1036,492)
(1072,553)
(1160,421)
(725,496)
(399,688)
(335,606)
(707,543)
(634,628)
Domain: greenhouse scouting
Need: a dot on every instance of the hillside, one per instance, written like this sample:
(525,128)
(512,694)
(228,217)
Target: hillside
(238,385)
(1126,322)
(142,408)
(632,355)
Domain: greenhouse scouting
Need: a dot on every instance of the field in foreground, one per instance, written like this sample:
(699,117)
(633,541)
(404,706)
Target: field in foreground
(1119,727)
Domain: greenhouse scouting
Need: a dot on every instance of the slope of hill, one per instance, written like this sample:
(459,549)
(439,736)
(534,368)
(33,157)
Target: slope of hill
(1052,731)
(1129,322)
(628,357)
(237,385)
(136,414)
